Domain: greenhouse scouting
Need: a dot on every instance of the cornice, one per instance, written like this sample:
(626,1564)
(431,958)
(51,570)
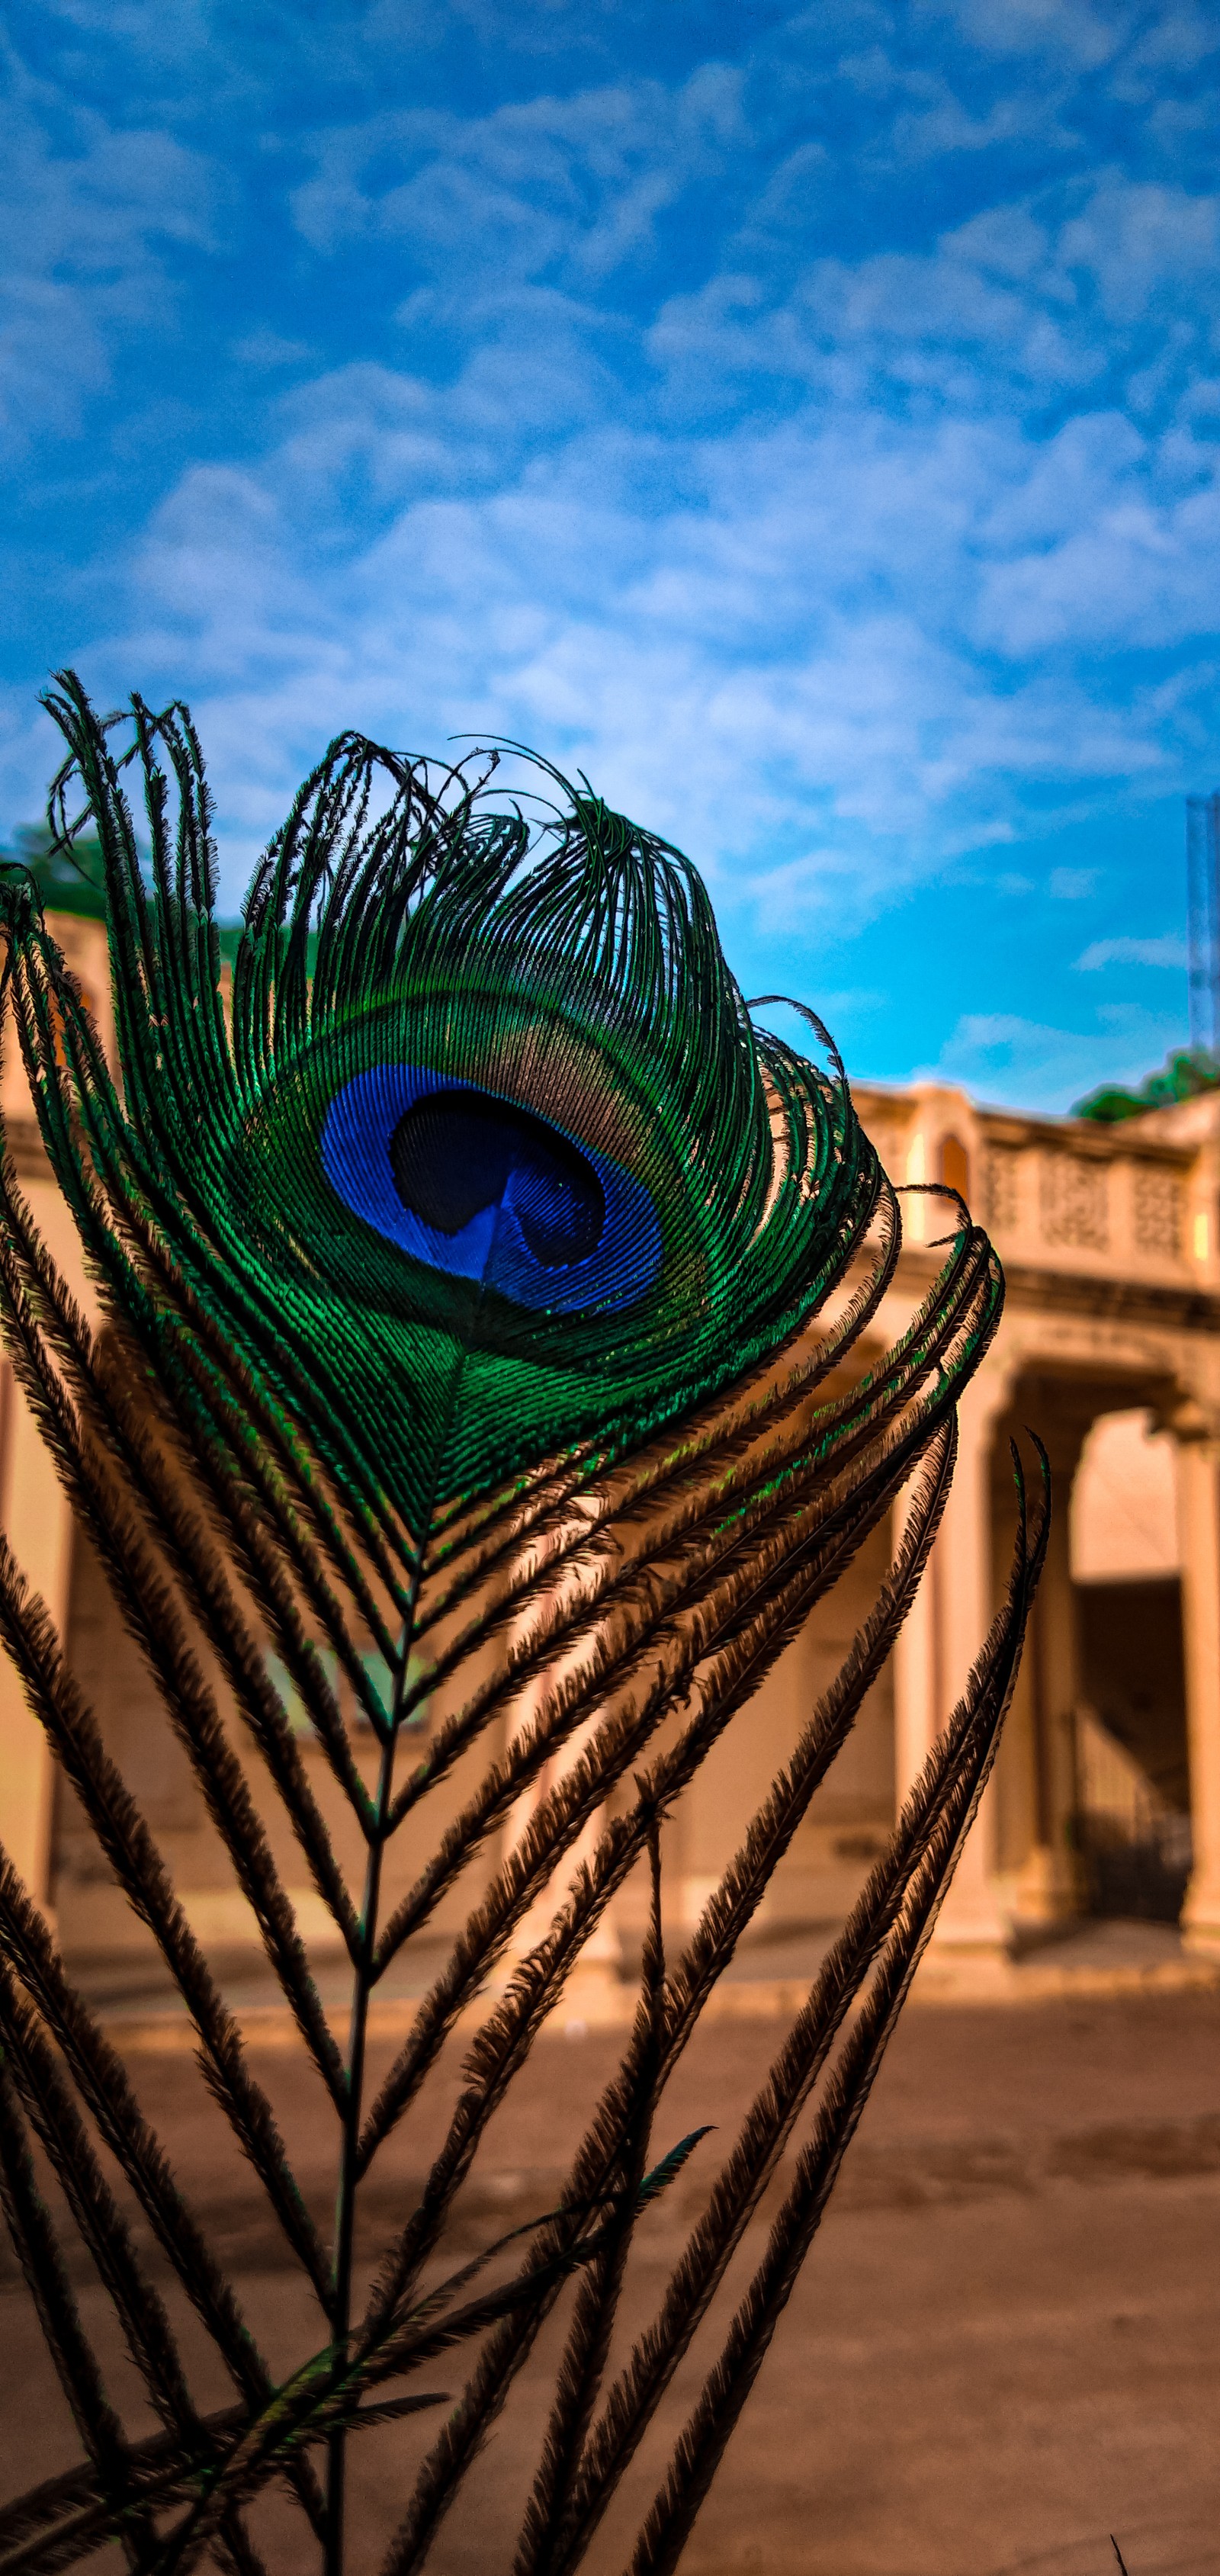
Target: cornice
(1025,1131)
(1071,1292)
(1128,1301)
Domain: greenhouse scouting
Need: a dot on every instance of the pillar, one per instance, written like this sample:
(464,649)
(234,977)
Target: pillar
(1047,1889)
(917,1694)
(1199,1519)
(38,1523)
(34,1514)
(940,1640)
(593,1990)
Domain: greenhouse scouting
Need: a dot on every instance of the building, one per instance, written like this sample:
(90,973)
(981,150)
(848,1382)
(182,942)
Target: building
(1106,1795)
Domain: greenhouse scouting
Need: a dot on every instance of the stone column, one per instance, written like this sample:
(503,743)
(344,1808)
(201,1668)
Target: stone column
(917,1692)
(38,1523)
(971,1916)
(1048,1887)
(1199,1518)
(34,1514)
(933,1658)
(593,1991)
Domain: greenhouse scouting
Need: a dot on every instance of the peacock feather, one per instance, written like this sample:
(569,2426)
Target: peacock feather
(480,1287)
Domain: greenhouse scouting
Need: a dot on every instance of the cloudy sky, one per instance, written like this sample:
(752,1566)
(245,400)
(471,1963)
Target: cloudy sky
(807,423)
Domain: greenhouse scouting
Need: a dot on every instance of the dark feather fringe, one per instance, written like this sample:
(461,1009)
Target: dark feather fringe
(150,1614)
(104,2088)
(210,1400)
(619,1626)
(103,2230)
(37,2250)
(65,2520)
(71,1087)
(769,2123)
(487,1539)
(304,2410)
(266,1538)
(104,1404)
(717,1677)
(99,2221)
(666,1623)
(505,2038)
(734,1903)
(128,1845)
(702,1516)
(508,2348)
(584,2355)
(962,1765)
(222,1409)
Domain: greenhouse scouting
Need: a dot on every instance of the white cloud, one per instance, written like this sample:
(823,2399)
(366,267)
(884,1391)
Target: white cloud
(101,206)
(269,349)
(1057,28)
(1005,311)
(1139,573)
(942,124)
(1176,39)
(1002,1055)
(1071,885)
(1138,240)
(1164,950)
(839,568)
(775,669)
(570,184)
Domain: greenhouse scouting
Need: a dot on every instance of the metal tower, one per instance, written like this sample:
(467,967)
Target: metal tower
(1203,896)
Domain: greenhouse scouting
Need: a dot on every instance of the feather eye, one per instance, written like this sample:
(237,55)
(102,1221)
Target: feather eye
(492,1155)
(478,1187)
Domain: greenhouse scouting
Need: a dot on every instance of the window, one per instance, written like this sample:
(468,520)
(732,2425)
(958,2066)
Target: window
(1074,1196)
(955,1165)
(1001,1188)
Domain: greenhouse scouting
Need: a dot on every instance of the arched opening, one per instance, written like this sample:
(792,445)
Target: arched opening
(1093,1786)
(1132,1771)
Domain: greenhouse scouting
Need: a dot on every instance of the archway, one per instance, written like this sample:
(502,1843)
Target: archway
(1093,1786)
(1092,1781)
(1132,1767)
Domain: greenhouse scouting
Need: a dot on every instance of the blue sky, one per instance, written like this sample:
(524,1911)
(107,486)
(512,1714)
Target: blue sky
(807,422)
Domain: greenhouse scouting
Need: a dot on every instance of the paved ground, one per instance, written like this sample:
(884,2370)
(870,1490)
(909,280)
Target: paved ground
(1006,2344)
(768,1975)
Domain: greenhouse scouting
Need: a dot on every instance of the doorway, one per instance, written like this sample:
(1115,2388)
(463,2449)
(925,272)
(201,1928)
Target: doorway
(1132,1827)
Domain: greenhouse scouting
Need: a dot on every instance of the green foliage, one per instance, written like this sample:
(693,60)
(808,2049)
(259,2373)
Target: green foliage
(1182,1077)
(71,877)
(67,878)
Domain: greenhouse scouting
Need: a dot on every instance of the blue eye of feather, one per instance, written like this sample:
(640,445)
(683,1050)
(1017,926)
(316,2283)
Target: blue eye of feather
(482,1188)
(454,1153)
